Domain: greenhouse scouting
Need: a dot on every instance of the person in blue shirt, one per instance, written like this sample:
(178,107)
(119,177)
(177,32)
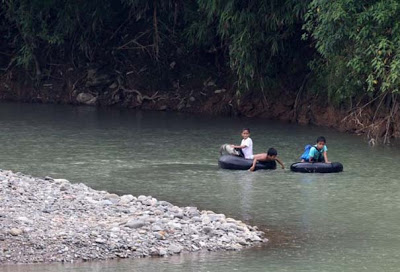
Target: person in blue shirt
(318,152)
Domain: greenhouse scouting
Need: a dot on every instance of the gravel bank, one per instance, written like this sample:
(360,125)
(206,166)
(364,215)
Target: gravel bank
(52,220)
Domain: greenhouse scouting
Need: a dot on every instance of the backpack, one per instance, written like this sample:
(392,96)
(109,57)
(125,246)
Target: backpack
(306,154)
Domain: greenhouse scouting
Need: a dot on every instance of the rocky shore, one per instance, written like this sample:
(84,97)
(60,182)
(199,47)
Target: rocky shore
(52,220)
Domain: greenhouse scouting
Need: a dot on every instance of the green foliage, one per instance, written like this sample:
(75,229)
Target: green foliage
(260,36)
(58,29)
(257,39)
(359,42)
(43,27)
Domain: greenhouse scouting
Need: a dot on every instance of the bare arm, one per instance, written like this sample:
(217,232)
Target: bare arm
(253,166)
(326,157)
(239,146)
(257,157)
(310,155)
(280,162)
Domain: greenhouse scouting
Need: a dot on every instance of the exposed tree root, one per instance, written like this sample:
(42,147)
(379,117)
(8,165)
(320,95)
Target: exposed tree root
(140,98)
(376,128)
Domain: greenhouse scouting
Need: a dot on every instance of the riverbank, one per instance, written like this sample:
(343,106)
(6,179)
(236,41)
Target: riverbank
(45,220)
(206,95)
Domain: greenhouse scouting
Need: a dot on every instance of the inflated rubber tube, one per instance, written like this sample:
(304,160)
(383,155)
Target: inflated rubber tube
(239,163)
(317,167)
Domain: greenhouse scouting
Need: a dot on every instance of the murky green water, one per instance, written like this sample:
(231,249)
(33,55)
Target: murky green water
(317,222)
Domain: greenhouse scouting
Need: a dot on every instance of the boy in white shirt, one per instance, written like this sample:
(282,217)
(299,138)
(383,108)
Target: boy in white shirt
(246,146)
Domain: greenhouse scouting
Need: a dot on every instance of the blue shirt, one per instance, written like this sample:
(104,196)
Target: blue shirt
(315,153)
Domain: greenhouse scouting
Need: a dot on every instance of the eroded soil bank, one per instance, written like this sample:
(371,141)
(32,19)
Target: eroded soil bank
(215,96)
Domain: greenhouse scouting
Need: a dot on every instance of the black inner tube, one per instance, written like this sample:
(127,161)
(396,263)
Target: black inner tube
(239,163)
(317,167)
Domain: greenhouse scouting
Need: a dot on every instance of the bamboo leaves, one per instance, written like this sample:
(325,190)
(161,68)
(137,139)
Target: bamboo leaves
(365,34)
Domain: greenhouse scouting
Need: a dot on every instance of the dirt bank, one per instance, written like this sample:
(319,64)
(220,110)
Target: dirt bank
(97,87)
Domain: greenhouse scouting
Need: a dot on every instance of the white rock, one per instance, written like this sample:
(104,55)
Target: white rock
(115,229)
(23,219)
(86,98)
(162,252)
(61,181)
(125,199)
(175,248)
(16,232)
(106,202)
(205,220)
(135,224)
(219,91)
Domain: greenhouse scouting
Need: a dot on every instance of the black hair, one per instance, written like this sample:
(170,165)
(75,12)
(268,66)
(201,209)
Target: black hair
(243,129)
(321,139)
(272,152)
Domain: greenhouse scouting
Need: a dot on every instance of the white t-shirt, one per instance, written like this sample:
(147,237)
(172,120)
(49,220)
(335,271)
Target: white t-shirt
(248,150)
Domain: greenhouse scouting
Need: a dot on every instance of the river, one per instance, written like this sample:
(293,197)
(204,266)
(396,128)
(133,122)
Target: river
(347,221)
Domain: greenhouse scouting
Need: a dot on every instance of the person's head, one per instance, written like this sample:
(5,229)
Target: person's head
(272,153)
(321,141)
(245,133)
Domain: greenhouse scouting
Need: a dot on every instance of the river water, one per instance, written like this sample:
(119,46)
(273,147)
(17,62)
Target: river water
(347,221)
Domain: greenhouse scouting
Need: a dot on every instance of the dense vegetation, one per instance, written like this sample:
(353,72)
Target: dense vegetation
(345,50)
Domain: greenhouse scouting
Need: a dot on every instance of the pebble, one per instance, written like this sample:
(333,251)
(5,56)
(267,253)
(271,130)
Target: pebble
(53,220)
(125,199)
(156,228)
(207,229)
(100,241)
(174,248)
(115,229)
(24,220)
(135,224)
(106,202)
(158,212)
(196,219)
(162,252)
(159,236)
(15,231)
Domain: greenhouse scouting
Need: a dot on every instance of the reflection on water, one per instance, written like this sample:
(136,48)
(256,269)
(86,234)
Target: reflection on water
(316,222)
